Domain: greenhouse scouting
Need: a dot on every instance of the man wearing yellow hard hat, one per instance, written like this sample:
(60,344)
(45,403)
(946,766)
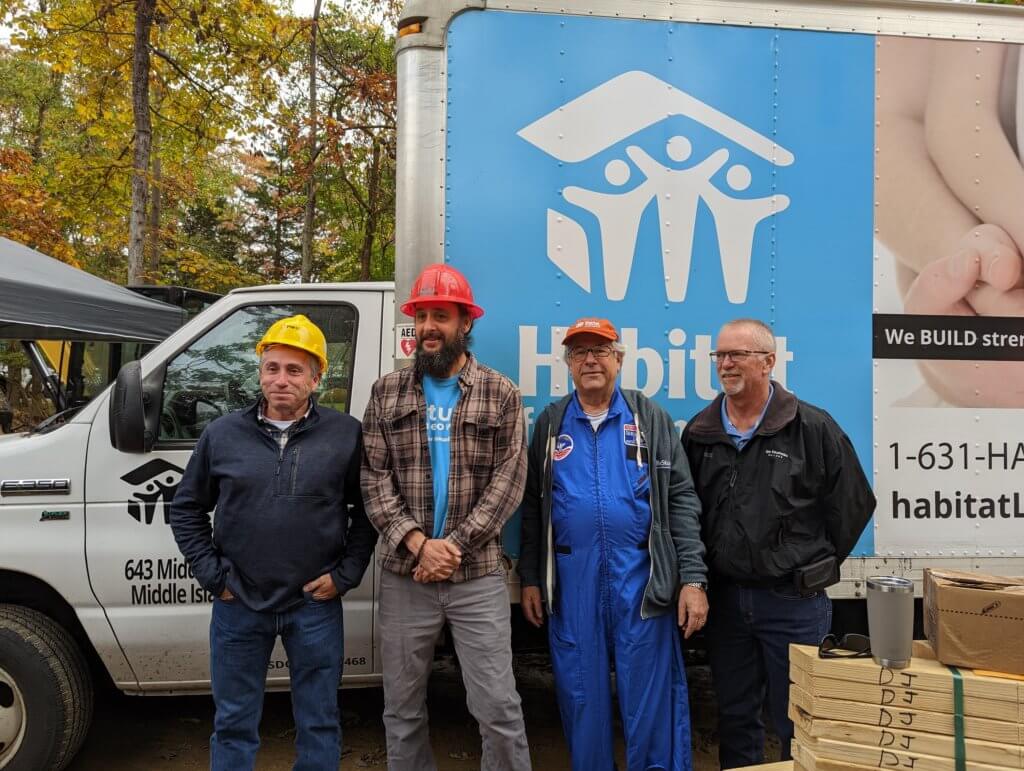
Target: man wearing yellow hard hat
(290,537)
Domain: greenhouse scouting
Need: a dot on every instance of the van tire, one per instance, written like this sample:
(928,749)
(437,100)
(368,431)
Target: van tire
(52,678)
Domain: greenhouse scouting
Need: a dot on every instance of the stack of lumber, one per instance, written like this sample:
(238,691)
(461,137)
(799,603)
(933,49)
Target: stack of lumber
(851,714)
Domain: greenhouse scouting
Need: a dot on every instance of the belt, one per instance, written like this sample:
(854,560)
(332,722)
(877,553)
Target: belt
(756,583)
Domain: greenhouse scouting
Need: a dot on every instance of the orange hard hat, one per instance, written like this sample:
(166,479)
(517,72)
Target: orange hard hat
(439,283)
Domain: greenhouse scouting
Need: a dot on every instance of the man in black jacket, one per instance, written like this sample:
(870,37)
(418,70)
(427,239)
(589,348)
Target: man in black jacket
(784,501)
(289,537)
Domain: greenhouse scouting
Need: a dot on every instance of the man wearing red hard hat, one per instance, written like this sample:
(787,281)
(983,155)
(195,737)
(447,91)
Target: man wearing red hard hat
(444,466)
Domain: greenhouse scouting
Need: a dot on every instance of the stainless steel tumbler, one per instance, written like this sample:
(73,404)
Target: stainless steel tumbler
(891,620)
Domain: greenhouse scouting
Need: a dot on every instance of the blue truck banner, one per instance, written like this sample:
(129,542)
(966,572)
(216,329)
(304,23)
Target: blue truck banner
(630,170)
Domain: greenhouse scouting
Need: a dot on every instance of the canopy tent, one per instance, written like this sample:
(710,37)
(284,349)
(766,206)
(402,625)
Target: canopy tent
(42,298)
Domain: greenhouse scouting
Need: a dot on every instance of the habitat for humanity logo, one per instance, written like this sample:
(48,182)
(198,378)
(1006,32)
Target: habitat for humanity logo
(615,110)
(154,482)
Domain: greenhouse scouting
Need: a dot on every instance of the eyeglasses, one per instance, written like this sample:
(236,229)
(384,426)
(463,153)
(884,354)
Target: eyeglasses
(736,356)
(850,646)
(599,351)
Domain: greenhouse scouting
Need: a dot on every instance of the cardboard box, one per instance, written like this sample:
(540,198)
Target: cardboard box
(975,620)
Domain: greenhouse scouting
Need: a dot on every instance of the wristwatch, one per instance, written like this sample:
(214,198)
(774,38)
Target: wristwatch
(698,584)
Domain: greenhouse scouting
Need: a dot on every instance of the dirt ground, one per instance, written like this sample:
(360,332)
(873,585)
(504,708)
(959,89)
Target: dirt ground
(131,733)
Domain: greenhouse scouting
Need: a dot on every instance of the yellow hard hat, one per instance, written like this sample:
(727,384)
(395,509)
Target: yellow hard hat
(296,332)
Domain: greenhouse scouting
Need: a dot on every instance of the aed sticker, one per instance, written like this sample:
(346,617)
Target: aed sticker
(632,436)
(405,341)
(563,446)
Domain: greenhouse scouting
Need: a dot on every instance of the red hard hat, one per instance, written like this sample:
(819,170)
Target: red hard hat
(439,283)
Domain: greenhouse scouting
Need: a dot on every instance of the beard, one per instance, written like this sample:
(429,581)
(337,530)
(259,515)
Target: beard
(732,387)
(440,364)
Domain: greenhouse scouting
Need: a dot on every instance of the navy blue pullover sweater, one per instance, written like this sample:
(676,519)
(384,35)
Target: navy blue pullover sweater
(284,517)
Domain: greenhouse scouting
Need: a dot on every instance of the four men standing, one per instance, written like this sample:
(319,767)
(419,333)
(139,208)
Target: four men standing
(614,530)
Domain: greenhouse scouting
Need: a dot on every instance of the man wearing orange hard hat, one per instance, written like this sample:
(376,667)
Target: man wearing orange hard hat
(444,466)
(611,550)
(291,537)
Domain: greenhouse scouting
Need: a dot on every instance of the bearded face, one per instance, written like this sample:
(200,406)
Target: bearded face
(442,338)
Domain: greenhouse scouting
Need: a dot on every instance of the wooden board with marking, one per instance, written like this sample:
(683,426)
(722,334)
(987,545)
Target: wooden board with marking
(903,694)
(804,759)
(893,719)
(923,674)
(881,757)
(912,742)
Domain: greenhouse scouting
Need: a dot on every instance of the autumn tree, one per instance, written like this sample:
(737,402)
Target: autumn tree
(28,214)
(261,127)
(346,155)
(213,63)
(272,196)
(363,141)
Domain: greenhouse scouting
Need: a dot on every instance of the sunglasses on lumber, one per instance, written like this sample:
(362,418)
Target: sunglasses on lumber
(849,646)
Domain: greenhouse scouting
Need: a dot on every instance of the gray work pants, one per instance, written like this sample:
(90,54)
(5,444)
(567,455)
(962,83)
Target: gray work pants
(477,611)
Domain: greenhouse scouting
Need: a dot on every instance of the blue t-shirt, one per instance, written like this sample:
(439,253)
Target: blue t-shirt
(740,438)
(441,396)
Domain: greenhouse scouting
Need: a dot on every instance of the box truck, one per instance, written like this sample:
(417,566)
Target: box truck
(847,171)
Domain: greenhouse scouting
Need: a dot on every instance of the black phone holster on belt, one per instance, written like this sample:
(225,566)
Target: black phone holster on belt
(815,577)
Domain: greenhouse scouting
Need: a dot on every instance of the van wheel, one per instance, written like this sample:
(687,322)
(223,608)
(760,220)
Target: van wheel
(46,695)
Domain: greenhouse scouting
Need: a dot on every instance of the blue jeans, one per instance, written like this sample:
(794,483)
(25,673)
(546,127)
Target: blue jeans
(748,635)
(241,641)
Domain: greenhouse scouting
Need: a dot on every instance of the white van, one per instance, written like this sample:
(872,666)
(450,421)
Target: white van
(89,570)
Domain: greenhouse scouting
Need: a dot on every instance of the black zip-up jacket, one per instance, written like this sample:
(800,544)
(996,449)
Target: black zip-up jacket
(284,517)
(674,544)
(794,494)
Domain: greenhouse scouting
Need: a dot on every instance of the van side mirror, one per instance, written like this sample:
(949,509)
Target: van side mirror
(128,411)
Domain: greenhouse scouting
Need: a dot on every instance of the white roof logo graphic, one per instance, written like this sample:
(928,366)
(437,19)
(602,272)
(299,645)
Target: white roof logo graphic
(608,114)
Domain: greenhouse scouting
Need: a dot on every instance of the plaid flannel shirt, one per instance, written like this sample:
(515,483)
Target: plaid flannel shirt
(487,476)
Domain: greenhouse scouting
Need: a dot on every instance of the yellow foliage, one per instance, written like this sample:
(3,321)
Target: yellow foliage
(27,213)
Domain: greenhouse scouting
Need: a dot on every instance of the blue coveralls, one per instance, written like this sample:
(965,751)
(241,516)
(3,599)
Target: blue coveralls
(601,519)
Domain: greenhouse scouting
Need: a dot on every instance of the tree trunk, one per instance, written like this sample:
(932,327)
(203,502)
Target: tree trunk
(372,211)
(56,81)
(51,97)
(155,203)
(278,253)
(144,11)
(153,236)
(307,221)
(37,134)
